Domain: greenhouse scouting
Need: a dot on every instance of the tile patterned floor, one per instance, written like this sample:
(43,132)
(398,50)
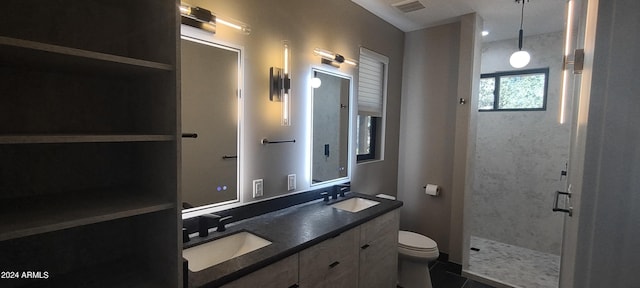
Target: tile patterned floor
(512,265)
(447,275)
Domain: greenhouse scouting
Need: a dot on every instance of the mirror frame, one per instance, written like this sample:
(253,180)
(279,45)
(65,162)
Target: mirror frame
(199,36)
(350,145)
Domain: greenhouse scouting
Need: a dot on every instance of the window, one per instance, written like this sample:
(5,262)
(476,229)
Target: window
(514,90)
(372,92)
(366,141)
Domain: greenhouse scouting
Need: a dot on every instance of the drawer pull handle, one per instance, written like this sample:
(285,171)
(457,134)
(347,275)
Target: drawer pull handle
(365,246)
(334,264)
(294,286)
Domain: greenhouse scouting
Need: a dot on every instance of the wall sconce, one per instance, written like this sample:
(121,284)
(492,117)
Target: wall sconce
(204,19)
(333,59)
(280,86)
(577,61)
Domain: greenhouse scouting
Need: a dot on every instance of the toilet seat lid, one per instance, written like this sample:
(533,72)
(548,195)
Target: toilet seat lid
(413,240)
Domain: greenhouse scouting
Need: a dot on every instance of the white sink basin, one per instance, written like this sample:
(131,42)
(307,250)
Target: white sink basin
(355,204)
(211,253)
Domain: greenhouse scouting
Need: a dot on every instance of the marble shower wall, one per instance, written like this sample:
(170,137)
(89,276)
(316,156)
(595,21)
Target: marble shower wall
(519,157)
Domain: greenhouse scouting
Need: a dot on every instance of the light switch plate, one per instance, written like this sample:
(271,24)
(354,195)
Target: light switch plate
(257,188)
(291,182)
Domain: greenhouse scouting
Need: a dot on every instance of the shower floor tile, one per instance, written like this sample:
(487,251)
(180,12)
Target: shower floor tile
(512,265)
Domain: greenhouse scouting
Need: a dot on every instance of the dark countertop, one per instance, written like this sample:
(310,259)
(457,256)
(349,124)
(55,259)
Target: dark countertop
(290,230)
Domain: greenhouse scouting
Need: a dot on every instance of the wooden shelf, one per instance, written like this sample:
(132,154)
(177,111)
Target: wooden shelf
(35,53)
(70,138)
(34,215)
(103,212)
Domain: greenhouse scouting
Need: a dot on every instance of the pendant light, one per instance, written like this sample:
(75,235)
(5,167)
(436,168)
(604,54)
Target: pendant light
(520,58)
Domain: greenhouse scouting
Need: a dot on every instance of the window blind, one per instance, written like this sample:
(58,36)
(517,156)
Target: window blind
(371,82)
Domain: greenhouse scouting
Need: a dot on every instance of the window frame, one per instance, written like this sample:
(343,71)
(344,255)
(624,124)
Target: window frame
(378,124)
(496,92)
(373,137)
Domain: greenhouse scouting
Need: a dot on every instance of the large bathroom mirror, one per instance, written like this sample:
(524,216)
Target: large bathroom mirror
(330,126)
(210,108)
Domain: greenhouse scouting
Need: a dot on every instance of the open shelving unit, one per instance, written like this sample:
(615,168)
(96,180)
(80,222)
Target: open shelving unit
(89,109)
(57,212)
(50,139)
(25,51)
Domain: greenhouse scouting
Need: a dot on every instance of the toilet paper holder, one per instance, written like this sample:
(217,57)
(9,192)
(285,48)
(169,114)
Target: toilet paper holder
(431,189)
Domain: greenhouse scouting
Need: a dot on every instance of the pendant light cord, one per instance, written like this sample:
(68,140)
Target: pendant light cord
(522,15)
(520,34)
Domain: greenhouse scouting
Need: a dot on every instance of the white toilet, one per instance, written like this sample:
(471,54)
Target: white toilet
(415,251)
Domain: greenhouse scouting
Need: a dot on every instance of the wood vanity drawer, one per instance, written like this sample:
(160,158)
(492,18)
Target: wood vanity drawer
(283,273)
(331,263)
(378,262)
(380,227)
(379,251)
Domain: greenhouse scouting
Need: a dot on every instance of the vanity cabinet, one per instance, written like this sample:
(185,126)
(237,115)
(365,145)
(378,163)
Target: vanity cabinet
(378,261)
(331,263)
(88,143)
(281,274)
(365,256)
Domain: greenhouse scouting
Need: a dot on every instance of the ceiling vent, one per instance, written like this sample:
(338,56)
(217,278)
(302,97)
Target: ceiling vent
(408,6)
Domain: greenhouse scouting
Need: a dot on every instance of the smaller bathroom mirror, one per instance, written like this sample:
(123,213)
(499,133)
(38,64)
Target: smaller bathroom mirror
(330,126)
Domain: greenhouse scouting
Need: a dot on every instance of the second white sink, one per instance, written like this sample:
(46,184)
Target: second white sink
(355,204)
(211,253)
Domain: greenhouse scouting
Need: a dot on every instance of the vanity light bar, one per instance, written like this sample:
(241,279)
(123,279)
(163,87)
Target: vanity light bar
(286,106)
(205,19)
(285,48)
(198,17)
(333,58)
(241,27)
(324,53)
(184,9)
(350,62)
(280,85)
